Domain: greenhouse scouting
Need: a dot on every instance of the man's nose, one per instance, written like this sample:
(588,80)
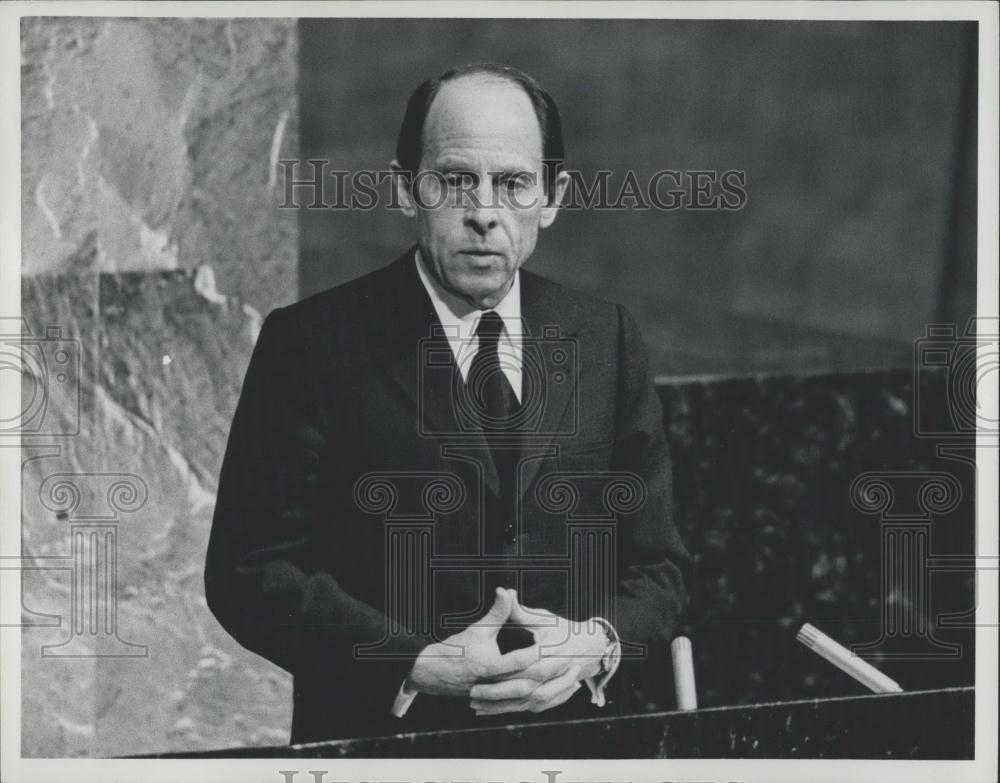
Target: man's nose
(480,208)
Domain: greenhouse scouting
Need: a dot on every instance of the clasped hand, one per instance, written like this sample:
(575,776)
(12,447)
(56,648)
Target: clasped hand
(531,679)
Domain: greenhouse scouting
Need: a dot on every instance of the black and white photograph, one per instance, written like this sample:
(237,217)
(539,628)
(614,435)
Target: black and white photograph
(499,391)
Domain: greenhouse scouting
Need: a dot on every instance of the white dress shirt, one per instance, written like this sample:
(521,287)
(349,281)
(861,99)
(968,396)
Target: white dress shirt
(460,320)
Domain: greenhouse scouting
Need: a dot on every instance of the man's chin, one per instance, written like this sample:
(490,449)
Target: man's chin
(484,292)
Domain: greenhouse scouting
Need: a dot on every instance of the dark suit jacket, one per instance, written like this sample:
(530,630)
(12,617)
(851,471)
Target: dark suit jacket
(347,450)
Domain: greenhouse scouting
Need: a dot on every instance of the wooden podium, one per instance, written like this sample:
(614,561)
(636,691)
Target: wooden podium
(933,724)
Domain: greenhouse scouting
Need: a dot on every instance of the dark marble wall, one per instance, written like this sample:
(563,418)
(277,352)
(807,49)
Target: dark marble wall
(152,241)
(764,468)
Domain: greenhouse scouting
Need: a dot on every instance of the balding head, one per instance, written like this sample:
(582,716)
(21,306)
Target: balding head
(409,145)
(473,174)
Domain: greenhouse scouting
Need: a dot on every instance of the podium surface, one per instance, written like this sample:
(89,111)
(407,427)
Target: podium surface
(933,724)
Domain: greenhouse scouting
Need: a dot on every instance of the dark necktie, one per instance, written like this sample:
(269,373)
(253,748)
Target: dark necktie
(497,407)
(497,403)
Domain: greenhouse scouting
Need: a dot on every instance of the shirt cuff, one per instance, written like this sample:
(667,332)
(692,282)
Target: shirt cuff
(609,664)
(403,700)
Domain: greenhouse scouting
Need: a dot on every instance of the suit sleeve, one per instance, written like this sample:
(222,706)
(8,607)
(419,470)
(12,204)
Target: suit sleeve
(265,579)
(654,566)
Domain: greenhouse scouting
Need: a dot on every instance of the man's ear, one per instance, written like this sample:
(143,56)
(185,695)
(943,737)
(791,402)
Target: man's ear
(550,210)
(401,180)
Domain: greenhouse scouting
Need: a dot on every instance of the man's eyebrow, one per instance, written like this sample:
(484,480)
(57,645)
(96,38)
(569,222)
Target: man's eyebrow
(452,164)
(513,171)
(512,168)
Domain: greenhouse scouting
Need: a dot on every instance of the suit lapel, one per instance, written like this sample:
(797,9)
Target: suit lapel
(417,357)
(550,368)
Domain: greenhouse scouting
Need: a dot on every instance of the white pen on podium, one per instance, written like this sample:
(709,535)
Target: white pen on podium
(683,662)
(846,661)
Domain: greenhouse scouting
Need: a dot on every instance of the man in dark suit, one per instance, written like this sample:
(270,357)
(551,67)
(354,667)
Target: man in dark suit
(448,449)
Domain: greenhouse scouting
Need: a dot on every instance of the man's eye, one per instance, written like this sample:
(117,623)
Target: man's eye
(458,180)
(518,182)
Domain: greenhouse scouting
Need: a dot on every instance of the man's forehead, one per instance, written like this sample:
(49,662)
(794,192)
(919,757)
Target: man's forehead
(482,113)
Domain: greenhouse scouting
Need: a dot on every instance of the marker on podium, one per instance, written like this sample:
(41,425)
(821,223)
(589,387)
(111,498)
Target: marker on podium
(680,655)
(846,661)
